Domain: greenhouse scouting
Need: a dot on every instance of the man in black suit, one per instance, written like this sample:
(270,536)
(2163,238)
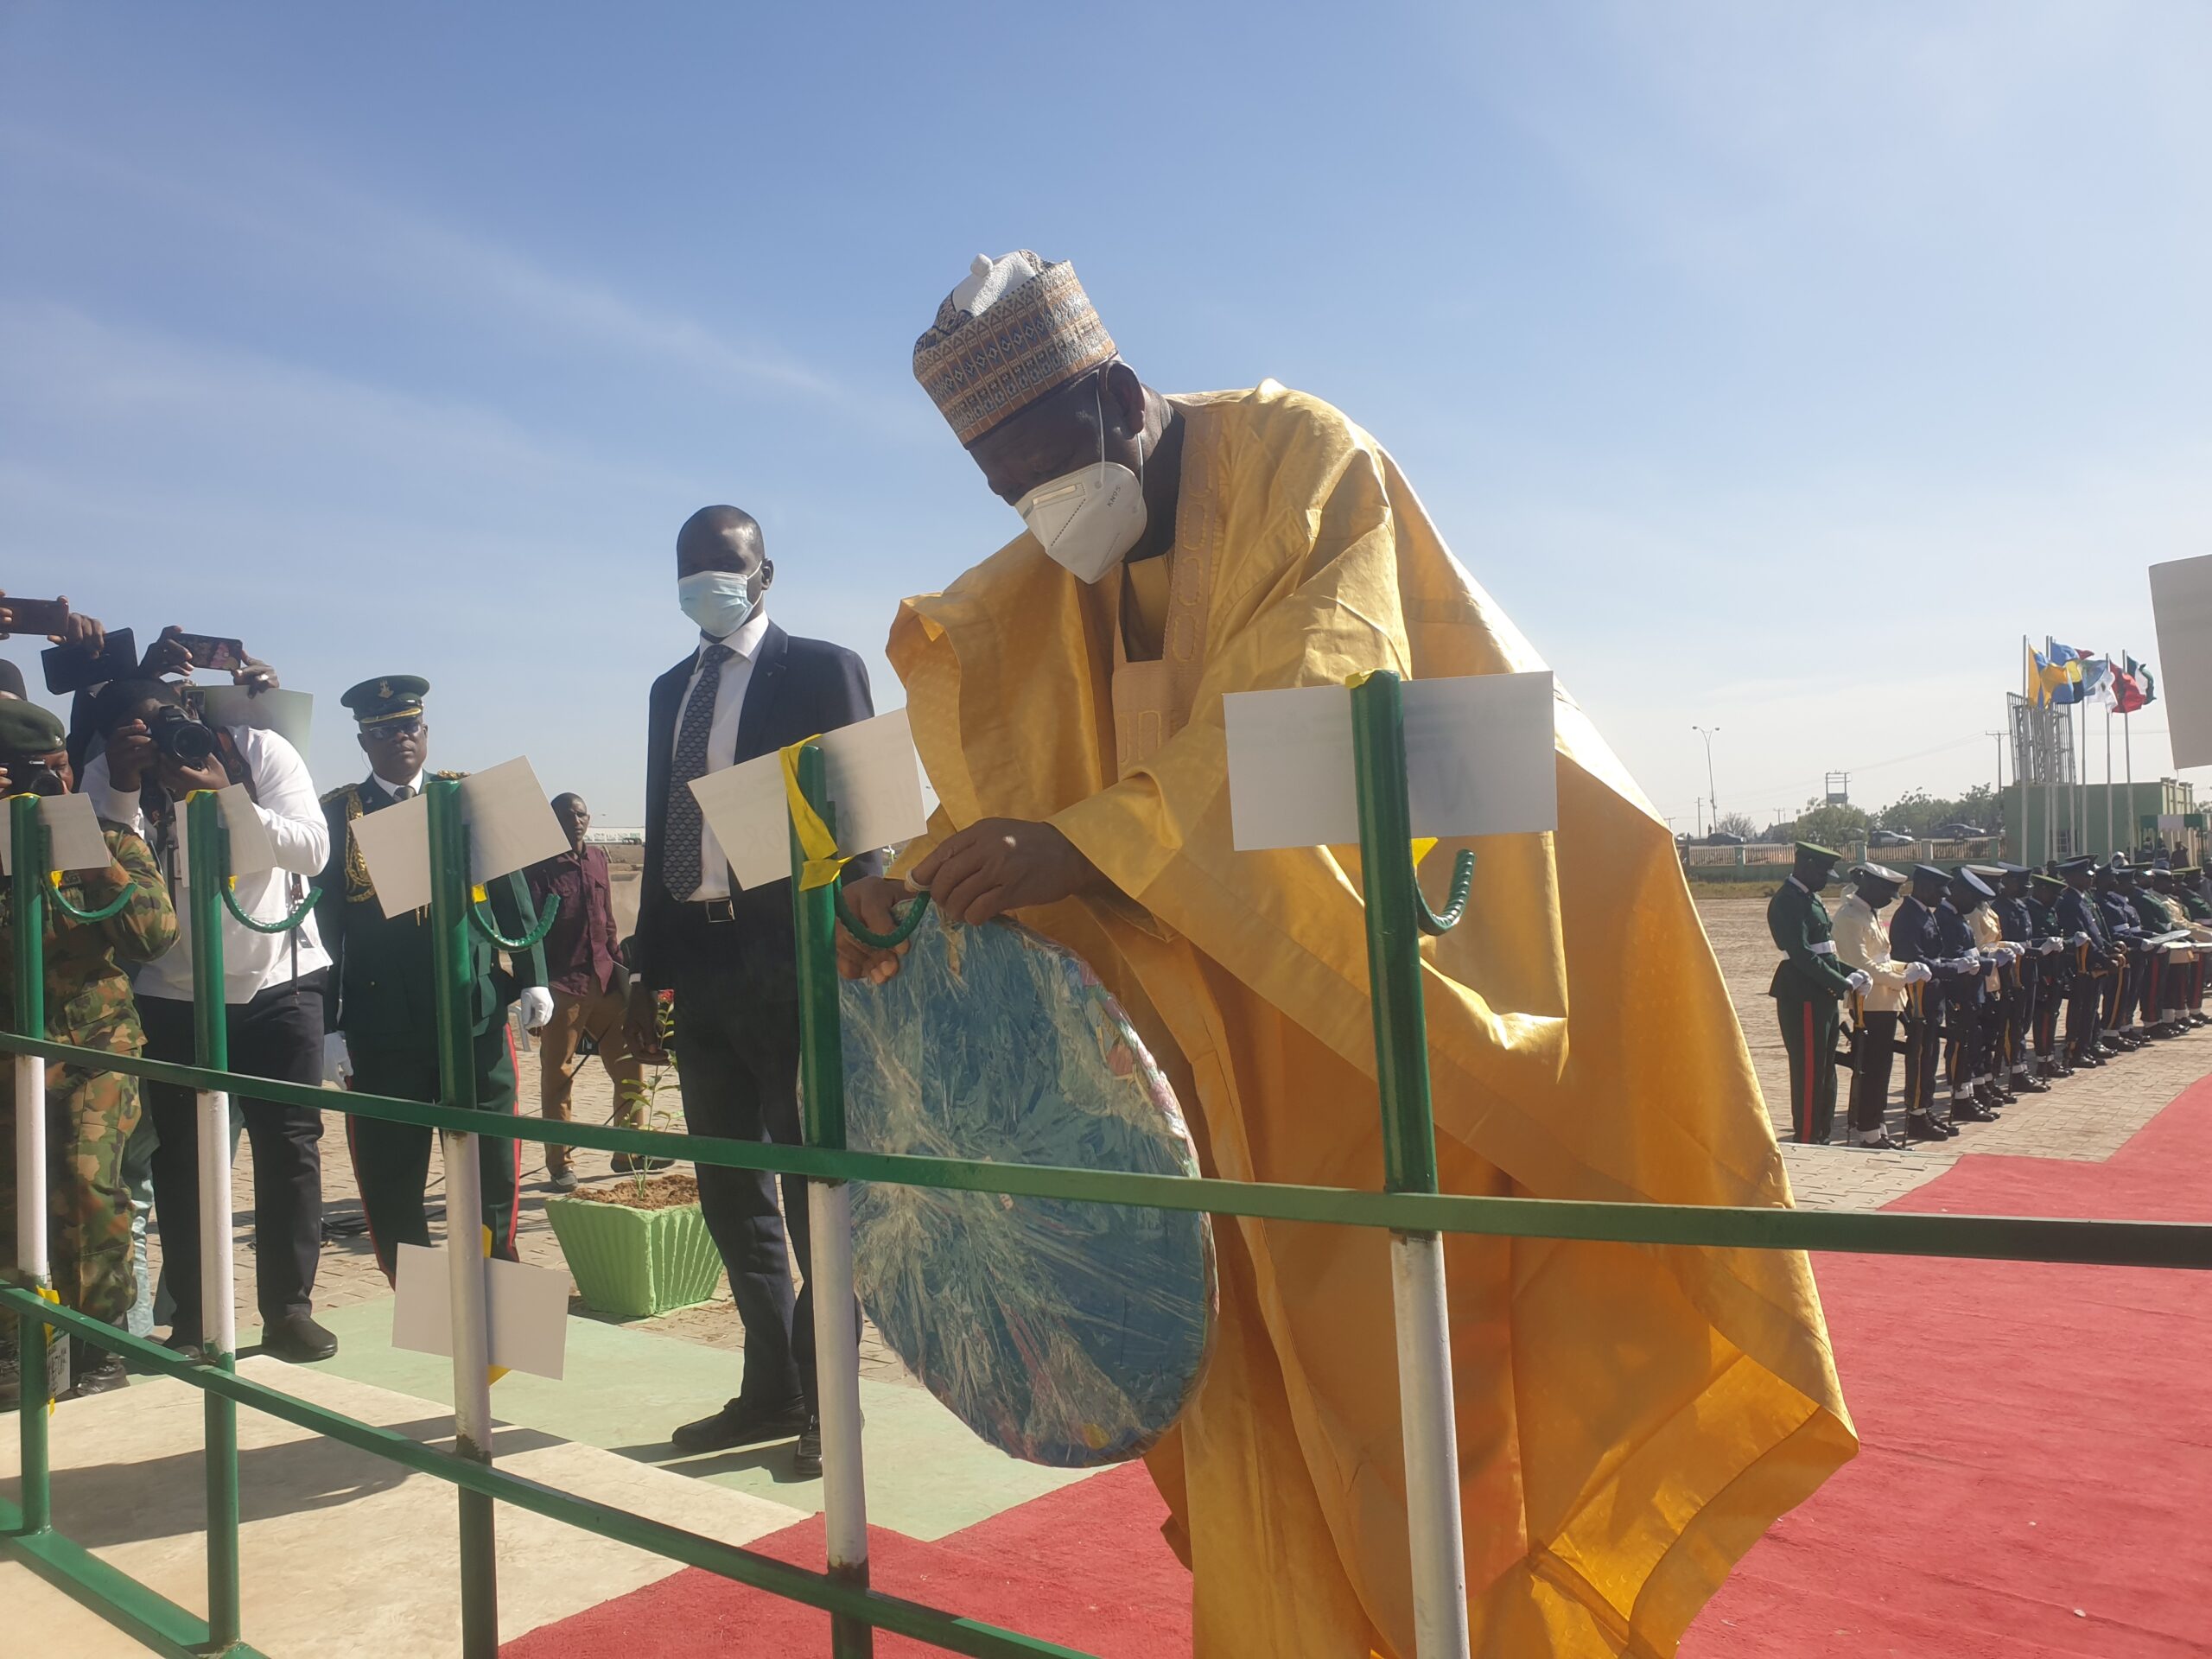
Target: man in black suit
(746,690)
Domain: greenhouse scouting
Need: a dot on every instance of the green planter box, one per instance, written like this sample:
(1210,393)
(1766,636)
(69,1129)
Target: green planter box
(635,1263)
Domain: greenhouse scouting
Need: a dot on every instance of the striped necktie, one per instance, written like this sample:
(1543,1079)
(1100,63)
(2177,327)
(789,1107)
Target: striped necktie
(679,863)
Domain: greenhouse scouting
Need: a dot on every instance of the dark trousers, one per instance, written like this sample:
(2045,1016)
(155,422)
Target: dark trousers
(1962,1031)
(392,1161)
(277,1034)
(736,1052)
(2052,990)
(1808,1027)
(1922,1050)
(2083,1021)
(1872,1057)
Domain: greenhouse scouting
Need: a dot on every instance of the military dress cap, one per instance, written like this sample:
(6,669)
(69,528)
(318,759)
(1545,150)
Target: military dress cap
(1974,883)
(2043,880)
(1016,328)
(1811,852)
(395,697)
(1931,873)
(25,729)
(1876,873)
(1986,871)
(2084,865)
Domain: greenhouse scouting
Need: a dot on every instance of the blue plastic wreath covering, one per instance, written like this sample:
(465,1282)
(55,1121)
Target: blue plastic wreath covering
(1067,1334)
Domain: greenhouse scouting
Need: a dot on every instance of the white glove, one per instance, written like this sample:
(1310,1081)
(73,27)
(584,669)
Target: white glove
(1861,982)
(2079,938)
(536,1005)
(2051,947)
(1918,972)
(337,1062)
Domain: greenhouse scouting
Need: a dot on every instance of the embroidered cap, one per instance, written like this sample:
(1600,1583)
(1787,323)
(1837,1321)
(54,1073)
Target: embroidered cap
(1016,329)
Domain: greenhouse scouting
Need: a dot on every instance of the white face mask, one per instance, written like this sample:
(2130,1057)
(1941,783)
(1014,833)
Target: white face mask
(1087,520)
(718,601)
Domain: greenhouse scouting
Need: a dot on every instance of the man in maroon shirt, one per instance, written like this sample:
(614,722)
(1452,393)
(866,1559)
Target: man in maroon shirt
(590,988)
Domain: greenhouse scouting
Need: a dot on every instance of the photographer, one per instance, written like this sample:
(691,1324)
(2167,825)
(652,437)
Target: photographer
(90,1113)
(156,754)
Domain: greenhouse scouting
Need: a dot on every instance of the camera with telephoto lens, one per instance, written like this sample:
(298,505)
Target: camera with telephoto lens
(37,779)
(181,738)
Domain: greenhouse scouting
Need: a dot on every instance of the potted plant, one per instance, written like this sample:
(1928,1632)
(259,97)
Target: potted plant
(639,1247)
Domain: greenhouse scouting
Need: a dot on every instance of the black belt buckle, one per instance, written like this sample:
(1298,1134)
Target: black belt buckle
(718,910)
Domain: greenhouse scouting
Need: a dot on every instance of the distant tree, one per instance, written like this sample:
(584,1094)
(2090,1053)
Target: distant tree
(1832,826)
(1735,824)
(1917,813)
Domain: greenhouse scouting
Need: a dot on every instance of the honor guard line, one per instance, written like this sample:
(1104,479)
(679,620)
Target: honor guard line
(1417,1215)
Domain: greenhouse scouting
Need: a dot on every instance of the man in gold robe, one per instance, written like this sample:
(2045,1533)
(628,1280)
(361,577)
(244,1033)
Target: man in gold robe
(1629,1419)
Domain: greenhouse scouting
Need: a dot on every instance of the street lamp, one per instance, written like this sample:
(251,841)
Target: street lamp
(1712,795)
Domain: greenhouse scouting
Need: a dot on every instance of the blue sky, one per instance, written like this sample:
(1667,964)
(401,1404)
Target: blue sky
(1774,368)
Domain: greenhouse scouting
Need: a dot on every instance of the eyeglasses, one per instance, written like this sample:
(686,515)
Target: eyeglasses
(394,728)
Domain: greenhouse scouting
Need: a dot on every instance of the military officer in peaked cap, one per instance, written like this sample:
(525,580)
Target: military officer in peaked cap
(1808,984)
(1917,936)
(382,1006)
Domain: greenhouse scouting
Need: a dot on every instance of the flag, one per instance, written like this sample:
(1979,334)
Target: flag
(2061,677)
(2132,686)
(2097,684)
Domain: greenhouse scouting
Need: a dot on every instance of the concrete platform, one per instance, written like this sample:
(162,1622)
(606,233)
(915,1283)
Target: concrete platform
(343,1555)
(625,1390)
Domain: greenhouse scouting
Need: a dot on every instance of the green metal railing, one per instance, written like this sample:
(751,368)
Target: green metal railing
(1412,1210)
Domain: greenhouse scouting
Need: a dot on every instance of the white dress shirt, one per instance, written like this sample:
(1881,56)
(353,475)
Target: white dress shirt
(289,807)
(721,737)
(412,785)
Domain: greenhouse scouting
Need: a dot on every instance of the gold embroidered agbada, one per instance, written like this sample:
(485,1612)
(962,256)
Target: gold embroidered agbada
(1629,1419)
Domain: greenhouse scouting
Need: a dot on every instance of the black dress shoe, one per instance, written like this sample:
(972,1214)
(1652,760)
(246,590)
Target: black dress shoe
(806,1458)
(2034,1086)
(297,1339)
(737,1424)
(1972,1111)
(97,1372)
(1918,1126)
(626,1164)
(1884,1141)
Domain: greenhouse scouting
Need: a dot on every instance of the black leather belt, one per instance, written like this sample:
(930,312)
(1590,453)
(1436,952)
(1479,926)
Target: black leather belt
(711,909)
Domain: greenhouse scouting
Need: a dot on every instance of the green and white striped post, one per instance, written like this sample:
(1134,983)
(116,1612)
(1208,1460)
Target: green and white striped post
(207,875)
(830,1212)
(26,890)
(452,966)
(1396,912)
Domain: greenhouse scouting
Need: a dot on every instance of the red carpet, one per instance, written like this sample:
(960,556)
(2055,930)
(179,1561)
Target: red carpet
(2036,1472)
(1084,1565)
(2037,1480)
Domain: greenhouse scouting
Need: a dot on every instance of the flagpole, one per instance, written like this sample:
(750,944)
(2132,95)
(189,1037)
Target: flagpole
(2111,846)
(2127,743)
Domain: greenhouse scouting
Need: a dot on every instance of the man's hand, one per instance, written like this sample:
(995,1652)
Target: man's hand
(641,1022)
(1861,982)
(167,655)
(537,1003)
(870,898)
(1918,972)
(1003,864)
(180,780)
(337,1060)
(130,756)
(256,676)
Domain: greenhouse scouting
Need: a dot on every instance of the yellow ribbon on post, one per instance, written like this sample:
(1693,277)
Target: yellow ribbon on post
(54,1333)
(823,862)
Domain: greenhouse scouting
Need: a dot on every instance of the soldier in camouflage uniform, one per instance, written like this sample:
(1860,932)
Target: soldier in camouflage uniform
(90,1113)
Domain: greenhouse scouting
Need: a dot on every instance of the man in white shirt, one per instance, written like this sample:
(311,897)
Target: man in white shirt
(1862,942)
(273,990)
(746,689)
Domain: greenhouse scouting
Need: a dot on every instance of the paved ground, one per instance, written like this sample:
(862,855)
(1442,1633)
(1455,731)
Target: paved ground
(2087,1117)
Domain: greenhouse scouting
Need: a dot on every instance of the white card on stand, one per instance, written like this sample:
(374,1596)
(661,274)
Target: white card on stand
(871,776)
(251,850)
(528,1308)
(510,827)
(73,841)
(1479,761)
(290,714)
